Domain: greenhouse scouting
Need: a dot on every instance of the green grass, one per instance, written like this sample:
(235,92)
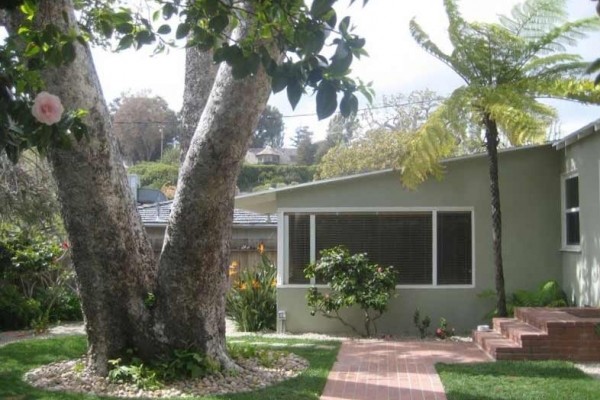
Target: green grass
(517,380)
(17,358)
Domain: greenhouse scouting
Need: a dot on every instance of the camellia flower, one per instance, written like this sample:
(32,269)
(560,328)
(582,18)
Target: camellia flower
(47,108)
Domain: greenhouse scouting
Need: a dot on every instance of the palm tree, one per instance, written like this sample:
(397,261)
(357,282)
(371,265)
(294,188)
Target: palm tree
(506,67)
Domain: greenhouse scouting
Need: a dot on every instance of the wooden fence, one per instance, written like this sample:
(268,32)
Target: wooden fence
(240,260)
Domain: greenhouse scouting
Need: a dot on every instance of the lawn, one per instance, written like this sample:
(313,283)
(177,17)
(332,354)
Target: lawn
(517,380)
(17,358)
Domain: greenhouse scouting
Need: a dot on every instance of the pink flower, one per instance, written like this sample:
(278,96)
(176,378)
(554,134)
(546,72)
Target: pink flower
(47,108)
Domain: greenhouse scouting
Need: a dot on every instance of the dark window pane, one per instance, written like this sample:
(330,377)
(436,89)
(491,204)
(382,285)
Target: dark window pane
(572,192)
(299,247)
(454,252)
(402,240)
(573,228)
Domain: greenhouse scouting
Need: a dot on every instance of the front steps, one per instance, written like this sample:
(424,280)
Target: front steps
(544,334)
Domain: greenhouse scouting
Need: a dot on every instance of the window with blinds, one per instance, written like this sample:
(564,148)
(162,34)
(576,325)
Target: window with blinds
(402,240)
(299,247)
(454,252)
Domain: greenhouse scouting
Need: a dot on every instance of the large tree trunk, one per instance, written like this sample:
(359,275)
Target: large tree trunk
(491,136)
(113,259)
(192,270)
(200,73)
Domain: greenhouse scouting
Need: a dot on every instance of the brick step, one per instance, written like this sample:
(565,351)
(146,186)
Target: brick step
(519,331)
(493,343)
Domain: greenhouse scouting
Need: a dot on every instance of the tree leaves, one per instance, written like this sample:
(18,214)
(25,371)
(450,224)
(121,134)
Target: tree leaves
(326,99)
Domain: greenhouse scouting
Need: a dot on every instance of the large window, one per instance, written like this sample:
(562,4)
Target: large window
(426,247)
(570,192)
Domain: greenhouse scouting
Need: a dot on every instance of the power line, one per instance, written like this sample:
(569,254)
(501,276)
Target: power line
(409,103)
(380,107)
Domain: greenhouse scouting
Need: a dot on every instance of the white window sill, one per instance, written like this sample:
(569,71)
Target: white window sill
(571,249)
(398,287)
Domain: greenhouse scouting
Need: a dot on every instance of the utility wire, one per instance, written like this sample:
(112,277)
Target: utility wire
(409,103)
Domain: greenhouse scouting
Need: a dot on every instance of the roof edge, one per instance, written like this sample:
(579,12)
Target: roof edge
(579,134)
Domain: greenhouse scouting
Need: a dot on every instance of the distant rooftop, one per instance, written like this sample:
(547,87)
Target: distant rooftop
(158,214)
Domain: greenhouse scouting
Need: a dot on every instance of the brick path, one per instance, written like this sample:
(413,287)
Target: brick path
(392,370)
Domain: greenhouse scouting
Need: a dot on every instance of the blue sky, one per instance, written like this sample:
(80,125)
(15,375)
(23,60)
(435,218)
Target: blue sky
(395,65)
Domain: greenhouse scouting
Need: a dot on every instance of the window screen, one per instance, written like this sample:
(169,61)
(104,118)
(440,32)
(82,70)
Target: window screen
(403,240)
(299,247)
(454,252)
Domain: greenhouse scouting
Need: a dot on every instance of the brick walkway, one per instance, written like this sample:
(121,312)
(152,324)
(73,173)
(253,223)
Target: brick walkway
(391,370)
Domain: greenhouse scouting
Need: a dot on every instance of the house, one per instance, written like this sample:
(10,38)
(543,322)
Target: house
(439,236)
(269,155)
(249,230)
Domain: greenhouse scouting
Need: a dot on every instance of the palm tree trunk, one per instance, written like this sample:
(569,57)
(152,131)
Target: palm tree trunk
(491,136)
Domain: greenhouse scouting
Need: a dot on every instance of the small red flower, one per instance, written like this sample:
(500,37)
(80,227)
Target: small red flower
(65,245)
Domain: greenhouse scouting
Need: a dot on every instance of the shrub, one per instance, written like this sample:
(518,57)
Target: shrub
(443,331)
(421,324)
(548,294)
(251,301)
(35,280)
(352,280)
(155,175)
(265,176)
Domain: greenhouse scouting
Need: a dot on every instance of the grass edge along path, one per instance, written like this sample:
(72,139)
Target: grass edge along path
(517,380)
(18,358)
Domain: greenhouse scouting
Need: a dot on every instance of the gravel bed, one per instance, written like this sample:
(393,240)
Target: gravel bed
(70,376)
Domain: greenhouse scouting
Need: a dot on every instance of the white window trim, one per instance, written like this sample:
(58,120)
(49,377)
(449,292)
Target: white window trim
(283,239)
(563,213)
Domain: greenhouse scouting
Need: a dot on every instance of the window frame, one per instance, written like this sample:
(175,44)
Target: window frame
(564,211)
(283,241)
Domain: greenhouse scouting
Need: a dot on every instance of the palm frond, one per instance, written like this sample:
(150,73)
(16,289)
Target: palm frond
(457,23)
(539,65)
(437,139)
(522,119)
(532,18)
(580,90)
(423,40)
(567,34)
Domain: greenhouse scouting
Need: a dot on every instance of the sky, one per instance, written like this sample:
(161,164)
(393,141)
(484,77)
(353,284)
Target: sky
(396,64)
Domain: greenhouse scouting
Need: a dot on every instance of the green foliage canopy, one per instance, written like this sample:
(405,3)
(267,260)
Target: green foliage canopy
(295,29)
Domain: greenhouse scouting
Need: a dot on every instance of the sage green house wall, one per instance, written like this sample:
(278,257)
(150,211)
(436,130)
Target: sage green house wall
(581,267)
(530,196)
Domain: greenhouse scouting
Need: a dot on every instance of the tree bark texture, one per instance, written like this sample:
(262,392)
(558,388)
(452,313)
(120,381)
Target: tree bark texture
(192,270)
(200,73)
(113,259)
(491,136)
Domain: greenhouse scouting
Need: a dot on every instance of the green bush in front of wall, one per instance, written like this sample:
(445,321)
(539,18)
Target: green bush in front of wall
(352,280)
(548,294)
(36,280)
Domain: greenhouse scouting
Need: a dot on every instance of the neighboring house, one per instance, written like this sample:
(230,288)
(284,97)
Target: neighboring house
(268,155)
(439,236)
(249,230)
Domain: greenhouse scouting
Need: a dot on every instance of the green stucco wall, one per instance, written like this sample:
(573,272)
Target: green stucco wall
(530,196)
(581,269)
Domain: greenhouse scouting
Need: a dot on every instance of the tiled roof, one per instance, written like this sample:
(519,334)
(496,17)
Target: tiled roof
(159,214)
